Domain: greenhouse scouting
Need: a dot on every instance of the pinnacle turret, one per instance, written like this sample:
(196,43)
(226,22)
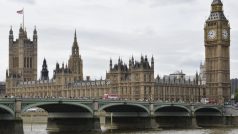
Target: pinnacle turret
(35,35)
(21,32)
(35,31)
(75,36)
(11,36)
(110,63)
(152,62)
(10,31)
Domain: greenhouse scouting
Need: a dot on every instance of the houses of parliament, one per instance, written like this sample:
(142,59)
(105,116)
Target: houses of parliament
(133,81)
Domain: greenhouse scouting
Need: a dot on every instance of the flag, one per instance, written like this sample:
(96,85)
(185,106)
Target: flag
(20,11)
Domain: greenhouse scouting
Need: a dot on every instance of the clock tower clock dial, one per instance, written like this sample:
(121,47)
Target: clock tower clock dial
(225,34)
(217,54)
(211,34)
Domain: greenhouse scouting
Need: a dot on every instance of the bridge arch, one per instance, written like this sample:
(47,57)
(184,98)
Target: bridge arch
(171,106)
(212,110)
(42,104)
(141,107)
(7,109)
(171,115)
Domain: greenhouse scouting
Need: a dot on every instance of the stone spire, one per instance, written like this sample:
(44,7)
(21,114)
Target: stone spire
(44,71)
(75,36)
(75,48)
(132,60)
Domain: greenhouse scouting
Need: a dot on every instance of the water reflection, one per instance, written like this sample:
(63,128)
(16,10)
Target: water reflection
(222,131)
(72,133)
(41,129)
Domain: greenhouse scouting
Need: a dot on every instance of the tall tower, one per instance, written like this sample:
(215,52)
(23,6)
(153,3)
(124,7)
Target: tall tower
(23,56)
(217,54)
(75,62)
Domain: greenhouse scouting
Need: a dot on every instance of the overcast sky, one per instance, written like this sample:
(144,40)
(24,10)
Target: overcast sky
(171,30)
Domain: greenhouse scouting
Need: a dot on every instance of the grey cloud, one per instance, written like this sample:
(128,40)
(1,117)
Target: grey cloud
(137,1)
(25,1)
(157,3)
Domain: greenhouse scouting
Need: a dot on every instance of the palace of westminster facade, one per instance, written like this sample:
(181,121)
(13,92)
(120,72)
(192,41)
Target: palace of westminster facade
(135,81)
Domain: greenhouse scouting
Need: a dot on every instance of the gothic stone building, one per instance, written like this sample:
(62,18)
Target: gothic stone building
(134,81)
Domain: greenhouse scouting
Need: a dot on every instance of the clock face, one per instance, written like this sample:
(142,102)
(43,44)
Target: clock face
(211,34)
(225,34)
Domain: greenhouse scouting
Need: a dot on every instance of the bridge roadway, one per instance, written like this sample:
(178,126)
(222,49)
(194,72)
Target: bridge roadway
(84,115)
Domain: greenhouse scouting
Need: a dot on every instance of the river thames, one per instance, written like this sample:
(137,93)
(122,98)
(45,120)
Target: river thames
(41,129)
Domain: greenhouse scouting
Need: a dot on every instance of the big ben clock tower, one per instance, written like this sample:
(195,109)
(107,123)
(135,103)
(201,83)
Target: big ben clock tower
(217,54)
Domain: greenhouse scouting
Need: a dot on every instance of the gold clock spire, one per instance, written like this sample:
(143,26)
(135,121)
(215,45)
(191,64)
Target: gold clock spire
(217,6)
(217,11)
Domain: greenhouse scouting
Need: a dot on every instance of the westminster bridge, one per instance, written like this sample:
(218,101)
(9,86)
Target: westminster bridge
(85,115)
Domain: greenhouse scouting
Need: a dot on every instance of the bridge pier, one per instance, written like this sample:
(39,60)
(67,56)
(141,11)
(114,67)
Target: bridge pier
(194,122)
(230,120)
(73,124)
(11,126)
(153,123)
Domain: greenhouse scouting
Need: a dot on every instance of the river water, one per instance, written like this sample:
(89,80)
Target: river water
(41,129)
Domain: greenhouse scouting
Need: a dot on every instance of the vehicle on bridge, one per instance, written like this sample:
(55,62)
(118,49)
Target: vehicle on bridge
(204,100)
(111,97)
(208,101)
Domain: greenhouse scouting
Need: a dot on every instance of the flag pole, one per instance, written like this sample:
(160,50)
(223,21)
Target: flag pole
(23,18)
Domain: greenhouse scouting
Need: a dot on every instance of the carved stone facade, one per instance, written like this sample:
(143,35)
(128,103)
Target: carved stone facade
(22,56)
(2,88)
(217,54)
(135,81)
(203,74)
(177,88)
